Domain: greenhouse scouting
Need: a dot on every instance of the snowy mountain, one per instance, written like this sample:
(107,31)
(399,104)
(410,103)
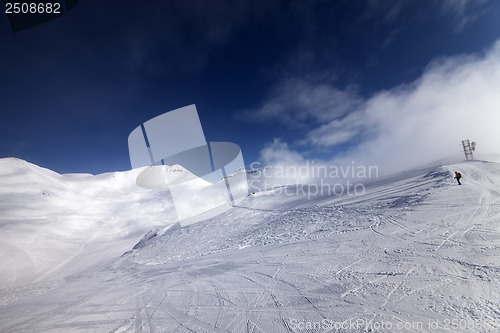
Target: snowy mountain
(56,225)
(415,252)
(160,176)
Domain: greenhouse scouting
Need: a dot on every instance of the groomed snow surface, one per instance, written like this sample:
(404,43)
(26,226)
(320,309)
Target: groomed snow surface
(415,253)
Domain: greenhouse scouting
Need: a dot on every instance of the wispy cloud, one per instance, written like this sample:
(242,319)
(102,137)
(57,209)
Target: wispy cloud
(456,98)
(461,11)
(338,131)
(387,10)
(189,30)
(278,152)
(296,102)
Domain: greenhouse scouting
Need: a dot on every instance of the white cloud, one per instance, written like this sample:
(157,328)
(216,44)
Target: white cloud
(278,152)
(456,98)
(387,10)
(337,131)
(297,102)
(460,9)
(457,7)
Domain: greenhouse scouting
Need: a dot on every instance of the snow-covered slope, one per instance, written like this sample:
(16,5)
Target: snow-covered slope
(54,225)
(160,176)
(414,253)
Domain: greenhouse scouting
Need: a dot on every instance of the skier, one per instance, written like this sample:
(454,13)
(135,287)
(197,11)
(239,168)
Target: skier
(458,175)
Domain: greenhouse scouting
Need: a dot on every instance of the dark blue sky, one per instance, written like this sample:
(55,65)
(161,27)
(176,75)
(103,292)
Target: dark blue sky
(74,88)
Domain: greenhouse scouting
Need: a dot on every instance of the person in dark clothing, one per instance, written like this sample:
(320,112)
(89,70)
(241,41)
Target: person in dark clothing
(458,175)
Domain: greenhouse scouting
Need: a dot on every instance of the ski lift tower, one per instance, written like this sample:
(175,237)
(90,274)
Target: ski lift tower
(468,149)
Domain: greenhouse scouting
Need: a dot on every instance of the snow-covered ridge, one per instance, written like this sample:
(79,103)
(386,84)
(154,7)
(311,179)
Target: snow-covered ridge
(413,248)
(55,225)
(275,217)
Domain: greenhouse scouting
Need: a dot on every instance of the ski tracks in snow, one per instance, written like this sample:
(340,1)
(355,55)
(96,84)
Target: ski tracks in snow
(399,254)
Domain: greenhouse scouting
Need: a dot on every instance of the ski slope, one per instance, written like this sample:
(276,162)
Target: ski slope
(415,253)
(56,225)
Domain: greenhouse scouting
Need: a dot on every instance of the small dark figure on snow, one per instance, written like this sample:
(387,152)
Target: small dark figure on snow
(458,175)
